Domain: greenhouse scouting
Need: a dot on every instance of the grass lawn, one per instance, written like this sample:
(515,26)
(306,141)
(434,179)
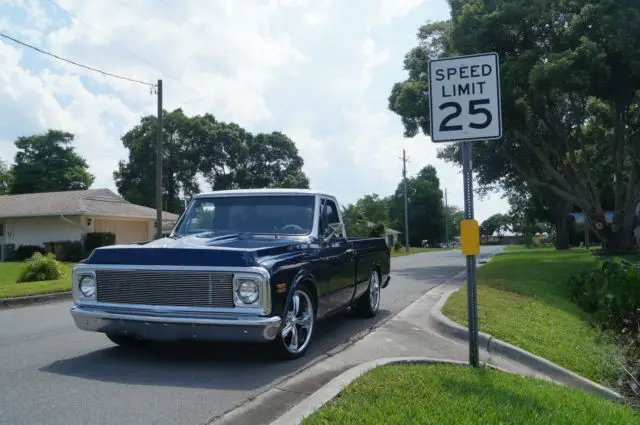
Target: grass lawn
(524,248)
(9,272)
(415,250)
(460,395)
(523,300)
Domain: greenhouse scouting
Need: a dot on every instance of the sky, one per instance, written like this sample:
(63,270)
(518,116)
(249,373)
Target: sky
(318,70)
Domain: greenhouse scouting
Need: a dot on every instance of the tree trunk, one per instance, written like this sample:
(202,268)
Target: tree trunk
(562,222)
(562,233)
(620,242)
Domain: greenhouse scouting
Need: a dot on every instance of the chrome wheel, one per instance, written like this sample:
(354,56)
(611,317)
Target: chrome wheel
(374,291)
(298,327)
(368,303)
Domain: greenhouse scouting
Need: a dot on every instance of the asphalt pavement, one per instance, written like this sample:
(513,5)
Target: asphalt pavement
(53,373)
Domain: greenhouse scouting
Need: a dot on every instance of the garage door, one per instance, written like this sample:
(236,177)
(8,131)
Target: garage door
(127,231)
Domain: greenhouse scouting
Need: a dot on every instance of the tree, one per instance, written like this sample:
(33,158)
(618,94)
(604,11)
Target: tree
(5,178)
(424,197)
(225,154)
(354,221)
(496,224)
(454,216)
(233,158)
(47,163)
(374,208)
(569,94)
(135,178)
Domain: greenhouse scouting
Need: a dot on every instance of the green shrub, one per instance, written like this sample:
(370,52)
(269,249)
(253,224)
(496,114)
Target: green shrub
(74,252)
(40,267)
(398,245)
(97,239)
(527,240)
(378,230)
(611,293)
(69,251)
(26,251)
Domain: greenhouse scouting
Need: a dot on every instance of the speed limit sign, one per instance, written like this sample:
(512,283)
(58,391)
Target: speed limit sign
(465,98)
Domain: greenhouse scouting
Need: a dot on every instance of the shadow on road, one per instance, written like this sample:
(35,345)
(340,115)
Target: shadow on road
(204,365)
(440,273)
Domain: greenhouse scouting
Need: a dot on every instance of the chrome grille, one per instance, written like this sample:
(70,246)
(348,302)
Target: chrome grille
(180,288)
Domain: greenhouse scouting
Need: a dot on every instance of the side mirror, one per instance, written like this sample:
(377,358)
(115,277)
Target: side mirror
(332,229)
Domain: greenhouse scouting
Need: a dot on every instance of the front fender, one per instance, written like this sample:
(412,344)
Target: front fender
(302,276)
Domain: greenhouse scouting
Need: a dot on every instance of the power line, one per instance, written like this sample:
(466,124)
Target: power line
(124,4)
(72,15)
(105,73)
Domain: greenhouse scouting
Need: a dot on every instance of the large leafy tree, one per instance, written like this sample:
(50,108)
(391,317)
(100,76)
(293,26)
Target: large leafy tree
(497,224)
(354,220)
(5,178)
(424,199)
(48,163)
(225,154)
(374,208)
(453,216)
(570,81)
(233,158)
(367,216)
(135,178)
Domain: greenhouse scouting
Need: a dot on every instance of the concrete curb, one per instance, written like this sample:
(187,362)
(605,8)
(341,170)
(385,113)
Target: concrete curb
(6,303)
(448,328)
(274,388)
(330,390)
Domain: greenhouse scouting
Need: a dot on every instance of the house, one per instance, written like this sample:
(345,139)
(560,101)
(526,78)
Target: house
(36,218)
(390,234)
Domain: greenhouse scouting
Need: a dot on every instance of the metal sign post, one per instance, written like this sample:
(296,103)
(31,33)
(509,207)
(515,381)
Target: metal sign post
(464,100)
(472,291)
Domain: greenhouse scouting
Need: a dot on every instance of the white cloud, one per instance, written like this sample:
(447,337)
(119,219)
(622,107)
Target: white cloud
(318,70)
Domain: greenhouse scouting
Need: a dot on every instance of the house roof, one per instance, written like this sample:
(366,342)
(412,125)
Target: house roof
(99,202)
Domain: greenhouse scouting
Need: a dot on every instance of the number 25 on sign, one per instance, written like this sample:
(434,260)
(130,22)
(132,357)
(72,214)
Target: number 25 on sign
(465,98)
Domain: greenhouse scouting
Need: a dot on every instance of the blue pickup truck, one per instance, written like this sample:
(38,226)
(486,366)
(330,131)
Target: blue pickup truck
(240,265)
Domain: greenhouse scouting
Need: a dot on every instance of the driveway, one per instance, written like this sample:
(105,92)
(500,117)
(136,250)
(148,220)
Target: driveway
(55,374)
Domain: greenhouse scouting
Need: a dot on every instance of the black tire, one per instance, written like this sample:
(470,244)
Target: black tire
(369,303)
(282,346)
(127,341)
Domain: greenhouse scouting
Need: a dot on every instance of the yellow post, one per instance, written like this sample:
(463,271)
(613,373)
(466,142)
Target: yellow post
(470,237)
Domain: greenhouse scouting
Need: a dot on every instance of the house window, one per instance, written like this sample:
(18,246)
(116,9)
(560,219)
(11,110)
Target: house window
(1,230)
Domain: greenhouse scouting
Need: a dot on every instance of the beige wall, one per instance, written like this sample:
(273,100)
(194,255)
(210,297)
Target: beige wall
(126,230)
(37,230)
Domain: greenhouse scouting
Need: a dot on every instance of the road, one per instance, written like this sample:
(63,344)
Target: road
(55,374)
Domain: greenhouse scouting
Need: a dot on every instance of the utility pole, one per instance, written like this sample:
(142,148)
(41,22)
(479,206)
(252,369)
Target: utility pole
(159,165)
(446,218)
(406,203)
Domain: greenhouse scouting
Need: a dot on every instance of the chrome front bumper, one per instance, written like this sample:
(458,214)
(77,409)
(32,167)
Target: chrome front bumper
(154,324)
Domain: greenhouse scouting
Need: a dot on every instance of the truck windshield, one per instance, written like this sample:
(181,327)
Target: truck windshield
(272,214)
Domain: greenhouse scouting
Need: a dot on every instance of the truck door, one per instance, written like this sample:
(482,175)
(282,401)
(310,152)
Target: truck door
(340,256)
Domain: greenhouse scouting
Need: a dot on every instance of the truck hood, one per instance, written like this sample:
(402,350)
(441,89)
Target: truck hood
(229,250)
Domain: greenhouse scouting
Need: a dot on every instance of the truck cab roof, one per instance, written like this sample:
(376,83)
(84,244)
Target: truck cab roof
(262,192)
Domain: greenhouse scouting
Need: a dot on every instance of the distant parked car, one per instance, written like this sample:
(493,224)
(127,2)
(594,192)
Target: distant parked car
(244,265)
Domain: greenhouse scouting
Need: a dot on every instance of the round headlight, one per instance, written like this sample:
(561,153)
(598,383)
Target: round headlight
(88,286)
(248,291)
